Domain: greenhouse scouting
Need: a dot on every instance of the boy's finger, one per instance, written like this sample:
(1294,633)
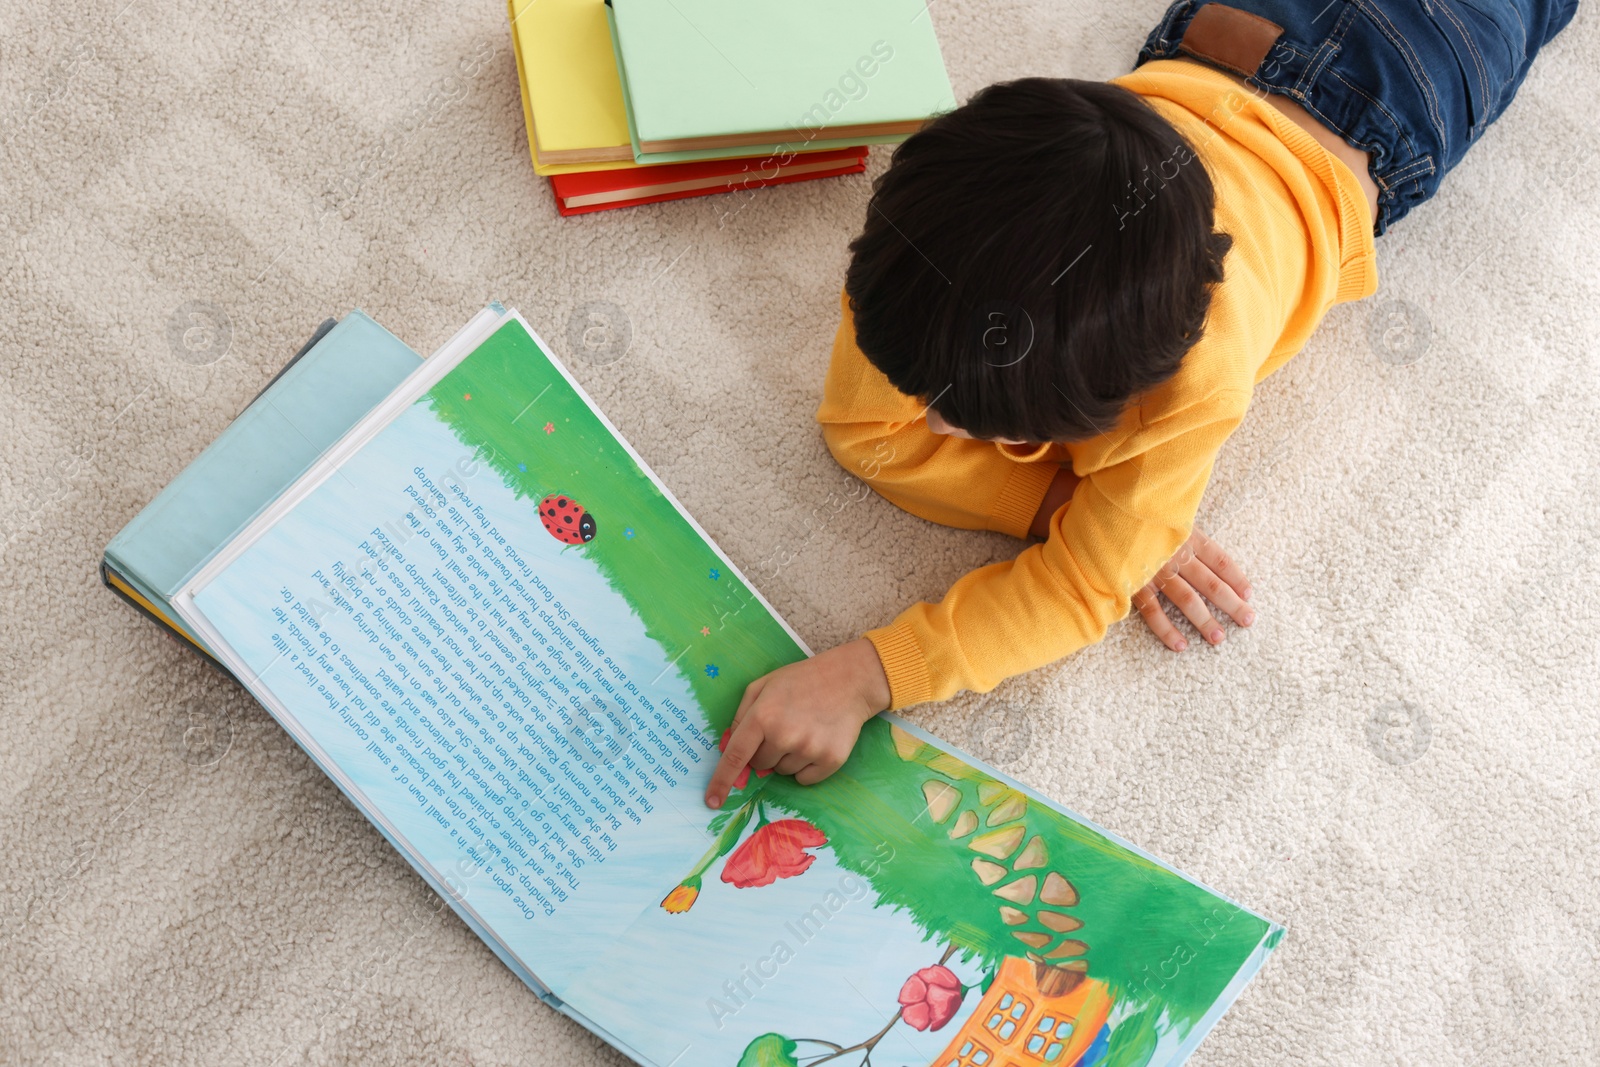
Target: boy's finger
(768,756)
(1149,606)
(1222,565)
(742,745)
(1219,592)
(793,763)
(717,789)
(812,773)
(1194,609)
(751,691)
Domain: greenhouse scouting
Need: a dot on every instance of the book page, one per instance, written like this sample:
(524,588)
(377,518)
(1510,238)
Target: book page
(519,654)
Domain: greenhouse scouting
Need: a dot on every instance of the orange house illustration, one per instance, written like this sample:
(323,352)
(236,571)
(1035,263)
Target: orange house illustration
(1017,1026)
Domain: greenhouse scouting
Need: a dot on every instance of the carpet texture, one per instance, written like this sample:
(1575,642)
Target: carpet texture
(1399,760)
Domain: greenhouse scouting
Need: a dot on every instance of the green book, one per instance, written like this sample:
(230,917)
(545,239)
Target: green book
(710,78)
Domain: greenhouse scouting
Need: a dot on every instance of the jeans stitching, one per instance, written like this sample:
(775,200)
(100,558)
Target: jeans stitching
(1385,27)
(1274,83)
(1331,47)
(1515,49)
(1489,99)
(1318,64)
(1313,60)
(1296,53)
(1411,149)
(1409,57)
(1523,26)
(1418,191)
(1423,166)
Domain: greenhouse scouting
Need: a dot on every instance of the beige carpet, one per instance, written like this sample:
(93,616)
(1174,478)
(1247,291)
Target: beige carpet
(1400,760)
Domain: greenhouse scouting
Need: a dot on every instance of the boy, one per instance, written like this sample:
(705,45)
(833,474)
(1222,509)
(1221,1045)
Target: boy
(1064,295)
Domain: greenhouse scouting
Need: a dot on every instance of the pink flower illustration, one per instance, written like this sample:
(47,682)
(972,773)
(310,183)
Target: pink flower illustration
(930,997)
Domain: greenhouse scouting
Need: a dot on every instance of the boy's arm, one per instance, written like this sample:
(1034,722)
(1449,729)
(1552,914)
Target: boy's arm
(879,435)
(1121,525)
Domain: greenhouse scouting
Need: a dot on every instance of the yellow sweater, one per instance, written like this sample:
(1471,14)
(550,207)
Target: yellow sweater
(1301,243)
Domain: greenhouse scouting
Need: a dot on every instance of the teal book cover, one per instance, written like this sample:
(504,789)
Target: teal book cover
(330,384)
(499,632)
(701,77)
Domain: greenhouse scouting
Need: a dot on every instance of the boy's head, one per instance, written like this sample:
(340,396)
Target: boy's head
(1035,259)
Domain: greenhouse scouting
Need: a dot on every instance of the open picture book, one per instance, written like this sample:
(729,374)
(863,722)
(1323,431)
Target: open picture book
(508,644)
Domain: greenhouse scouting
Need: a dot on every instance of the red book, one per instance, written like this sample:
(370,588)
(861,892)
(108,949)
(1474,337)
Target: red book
(598,190)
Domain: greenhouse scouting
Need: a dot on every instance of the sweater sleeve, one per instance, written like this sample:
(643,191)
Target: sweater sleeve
(1122,524)
(879,435)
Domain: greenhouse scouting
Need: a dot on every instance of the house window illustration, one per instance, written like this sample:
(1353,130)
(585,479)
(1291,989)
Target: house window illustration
(970,1054)
(1015,1025)
(1008,1012)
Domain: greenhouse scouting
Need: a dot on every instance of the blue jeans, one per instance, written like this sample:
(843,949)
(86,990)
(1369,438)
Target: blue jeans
(1414,82)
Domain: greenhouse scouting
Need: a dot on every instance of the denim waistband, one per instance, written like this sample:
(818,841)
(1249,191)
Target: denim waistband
(1413,83)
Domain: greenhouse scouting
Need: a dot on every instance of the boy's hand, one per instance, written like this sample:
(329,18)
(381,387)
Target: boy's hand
(1199,567)
(803,719)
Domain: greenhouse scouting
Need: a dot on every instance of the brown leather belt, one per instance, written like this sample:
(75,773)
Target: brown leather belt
(1230,38)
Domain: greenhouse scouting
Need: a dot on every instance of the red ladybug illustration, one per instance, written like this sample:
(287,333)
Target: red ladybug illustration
(566,520)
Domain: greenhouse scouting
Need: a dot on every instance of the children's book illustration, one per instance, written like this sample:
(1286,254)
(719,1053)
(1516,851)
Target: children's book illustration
(522,657)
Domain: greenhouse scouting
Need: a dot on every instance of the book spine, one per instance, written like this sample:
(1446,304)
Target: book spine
(131,596)
(740,186)
(321,332)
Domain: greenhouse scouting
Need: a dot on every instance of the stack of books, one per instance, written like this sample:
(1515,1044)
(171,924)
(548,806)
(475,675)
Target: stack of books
(633,101)
(483,616)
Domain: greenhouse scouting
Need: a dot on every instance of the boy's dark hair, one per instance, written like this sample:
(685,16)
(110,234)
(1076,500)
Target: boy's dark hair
(1035,259)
